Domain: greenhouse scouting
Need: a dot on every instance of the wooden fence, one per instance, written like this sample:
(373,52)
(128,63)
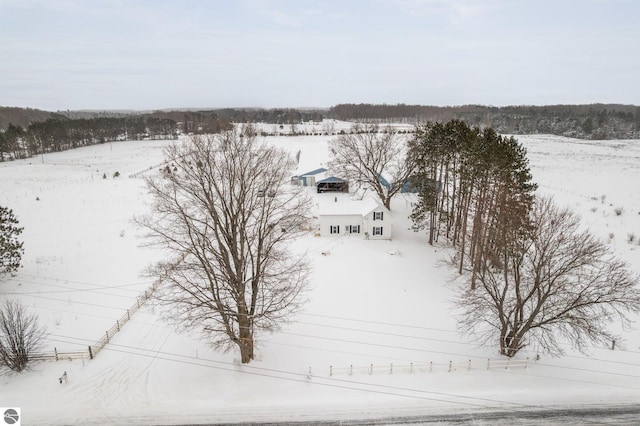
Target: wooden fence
(59,356)
(108,335)
(93,350)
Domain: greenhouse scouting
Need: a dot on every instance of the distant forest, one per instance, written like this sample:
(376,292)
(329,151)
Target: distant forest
(63,129)
(595,121)
(28,132)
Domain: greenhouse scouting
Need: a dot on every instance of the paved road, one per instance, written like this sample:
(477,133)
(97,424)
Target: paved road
(596,415)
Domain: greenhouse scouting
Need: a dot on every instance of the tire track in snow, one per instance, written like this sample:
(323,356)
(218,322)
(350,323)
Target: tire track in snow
(124,383)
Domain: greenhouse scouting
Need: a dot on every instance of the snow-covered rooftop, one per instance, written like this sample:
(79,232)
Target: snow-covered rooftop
(336,205)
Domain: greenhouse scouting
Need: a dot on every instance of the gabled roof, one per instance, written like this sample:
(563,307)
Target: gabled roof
(348,207)
(314,172)
(331,179)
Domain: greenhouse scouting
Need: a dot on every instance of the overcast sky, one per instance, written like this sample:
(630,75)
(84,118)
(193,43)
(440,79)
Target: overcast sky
(126,54)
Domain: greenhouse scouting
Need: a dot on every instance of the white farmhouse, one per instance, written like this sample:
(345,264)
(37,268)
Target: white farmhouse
(342,216)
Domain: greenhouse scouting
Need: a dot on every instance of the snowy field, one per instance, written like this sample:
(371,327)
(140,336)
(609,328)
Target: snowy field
(377,334)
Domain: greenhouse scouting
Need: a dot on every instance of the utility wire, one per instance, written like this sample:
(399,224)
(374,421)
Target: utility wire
(303,378)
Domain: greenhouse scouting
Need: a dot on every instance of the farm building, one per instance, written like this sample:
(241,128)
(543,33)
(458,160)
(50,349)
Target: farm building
(343,216)
(309,178)
(332,184)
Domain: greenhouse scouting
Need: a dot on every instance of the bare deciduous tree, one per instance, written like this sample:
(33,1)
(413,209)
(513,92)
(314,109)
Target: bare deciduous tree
(225,214)
(558,282)
(370,159)
(21,336)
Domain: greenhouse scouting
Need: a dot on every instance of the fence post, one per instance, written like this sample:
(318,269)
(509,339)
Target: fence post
(90,353)
(488,363)
(411,368)
(469,366)
(391,369)
(526,363)
(430,366)
(118,325)
(107,333)
(55,350)
(351,369)
(128,316)
(613,344)
(330,370)
(450,362)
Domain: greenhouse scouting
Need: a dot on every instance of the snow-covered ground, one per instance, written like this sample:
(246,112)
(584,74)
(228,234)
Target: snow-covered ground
(376,339)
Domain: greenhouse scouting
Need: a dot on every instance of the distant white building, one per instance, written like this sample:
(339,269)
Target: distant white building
(342,216)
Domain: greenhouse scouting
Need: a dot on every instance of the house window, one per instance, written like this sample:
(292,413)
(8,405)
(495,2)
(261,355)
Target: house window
(377,230)
(353,229)
(377,215)
(334,229)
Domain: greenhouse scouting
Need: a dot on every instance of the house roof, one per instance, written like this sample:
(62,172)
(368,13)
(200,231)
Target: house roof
(348,207)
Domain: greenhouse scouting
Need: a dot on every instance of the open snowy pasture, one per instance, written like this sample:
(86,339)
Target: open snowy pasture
(600,180)
(377,337)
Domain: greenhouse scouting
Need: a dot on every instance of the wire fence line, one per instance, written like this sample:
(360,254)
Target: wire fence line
(93,350)
(108,335)
(429,367)
(148,169)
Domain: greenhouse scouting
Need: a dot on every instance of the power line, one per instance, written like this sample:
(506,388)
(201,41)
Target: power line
(382,345)
(442,330)
(379,322)
(386,334)
(354,385)
(420,350)
(301,377)
(97,286)
(75,302)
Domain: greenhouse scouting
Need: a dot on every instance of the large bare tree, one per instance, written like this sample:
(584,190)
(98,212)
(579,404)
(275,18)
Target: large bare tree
(555,282)
(371,159)
(226,216)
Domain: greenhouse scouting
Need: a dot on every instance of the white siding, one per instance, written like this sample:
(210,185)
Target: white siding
(338,211)
(343,221)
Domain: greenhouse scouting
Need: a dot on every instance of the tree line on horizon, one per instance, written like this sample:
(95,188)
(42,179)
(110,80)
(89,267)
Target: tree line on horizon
(61,133)
(592,121)
(589,121)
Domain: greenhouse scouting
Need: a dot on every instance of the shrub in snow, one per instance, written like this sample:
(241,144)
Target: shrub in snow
(618,211)
(21,336)
(116,174)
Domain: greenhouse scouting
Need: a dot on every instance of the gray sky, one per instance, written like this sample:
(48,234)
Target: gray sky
(151,54)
